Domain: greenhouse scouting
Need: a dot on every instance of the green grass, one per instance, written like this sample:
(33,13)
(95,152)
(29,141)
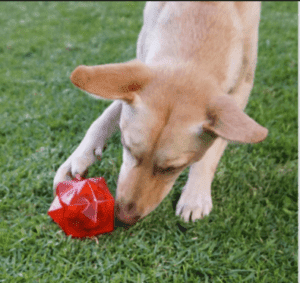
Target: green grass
(251,234)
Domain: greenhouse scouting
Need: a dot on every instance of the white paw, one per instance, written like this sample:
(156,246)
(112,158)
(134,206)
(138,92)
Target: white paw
(193,206)
(77,163)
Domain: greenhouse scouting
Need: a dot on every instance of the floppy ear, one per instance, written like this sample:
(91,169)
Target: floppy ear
(230,122)
(112,81)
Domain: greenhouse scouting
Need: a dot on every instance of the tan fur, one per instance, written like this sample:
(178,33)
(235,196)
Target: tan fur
(184,97)
(112,81)
(229,122)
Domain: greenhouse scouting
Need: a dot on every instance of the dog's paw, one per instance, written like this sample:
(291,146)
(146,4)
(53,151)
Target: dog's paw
(193,207)
(77,163)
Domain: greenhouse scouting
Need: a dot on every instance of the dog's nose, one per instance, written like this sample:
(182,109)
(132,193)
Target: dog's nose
(126,213)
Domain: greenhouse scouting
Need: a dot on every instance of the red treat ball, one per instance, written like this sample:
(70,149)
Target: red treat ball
(83,207)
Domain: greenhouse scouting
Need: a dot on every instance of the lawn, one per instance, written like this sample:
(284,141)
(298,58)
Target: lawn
(252,233)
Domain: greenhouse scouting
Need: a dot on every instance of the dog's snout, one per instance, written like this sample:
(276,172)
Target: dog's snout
(126,213)
(130,207)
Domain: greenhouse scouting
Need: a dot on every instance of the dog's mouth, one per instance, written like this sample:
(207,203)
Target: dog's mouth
(126,225)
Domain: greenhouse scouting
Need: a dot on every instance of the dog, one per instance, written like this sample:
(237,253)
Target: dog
(177,104)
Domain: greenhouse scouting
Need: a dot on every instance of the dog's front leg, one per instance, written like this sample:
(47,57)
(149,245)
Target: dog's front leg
(92,144)
(195,201)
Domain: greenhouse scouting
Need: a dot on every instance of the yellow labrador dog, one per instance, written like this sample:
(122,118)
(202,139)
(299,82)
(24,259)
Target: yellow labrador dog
(177,105)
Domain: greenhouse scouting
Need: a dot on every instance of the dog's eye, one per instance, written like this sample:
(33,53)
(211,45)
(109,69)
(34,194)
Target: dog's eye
(168,170)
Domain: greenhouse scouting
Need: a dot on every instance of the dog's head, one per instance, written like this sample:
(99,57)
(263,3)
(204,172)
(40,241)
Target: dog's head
(170,117)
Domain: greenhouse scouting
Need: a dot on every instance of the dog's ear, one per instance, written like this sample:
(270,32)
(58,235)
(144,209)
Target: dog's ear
(112,81)
(228,121)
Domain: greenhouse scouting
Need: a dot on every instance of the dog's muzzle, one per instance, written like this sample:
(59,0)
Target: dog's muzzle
(126,213)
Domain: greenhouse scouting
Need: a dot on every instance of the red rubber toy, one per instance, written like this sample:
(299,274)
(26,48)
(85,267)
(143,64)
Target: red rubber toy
(83,207)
